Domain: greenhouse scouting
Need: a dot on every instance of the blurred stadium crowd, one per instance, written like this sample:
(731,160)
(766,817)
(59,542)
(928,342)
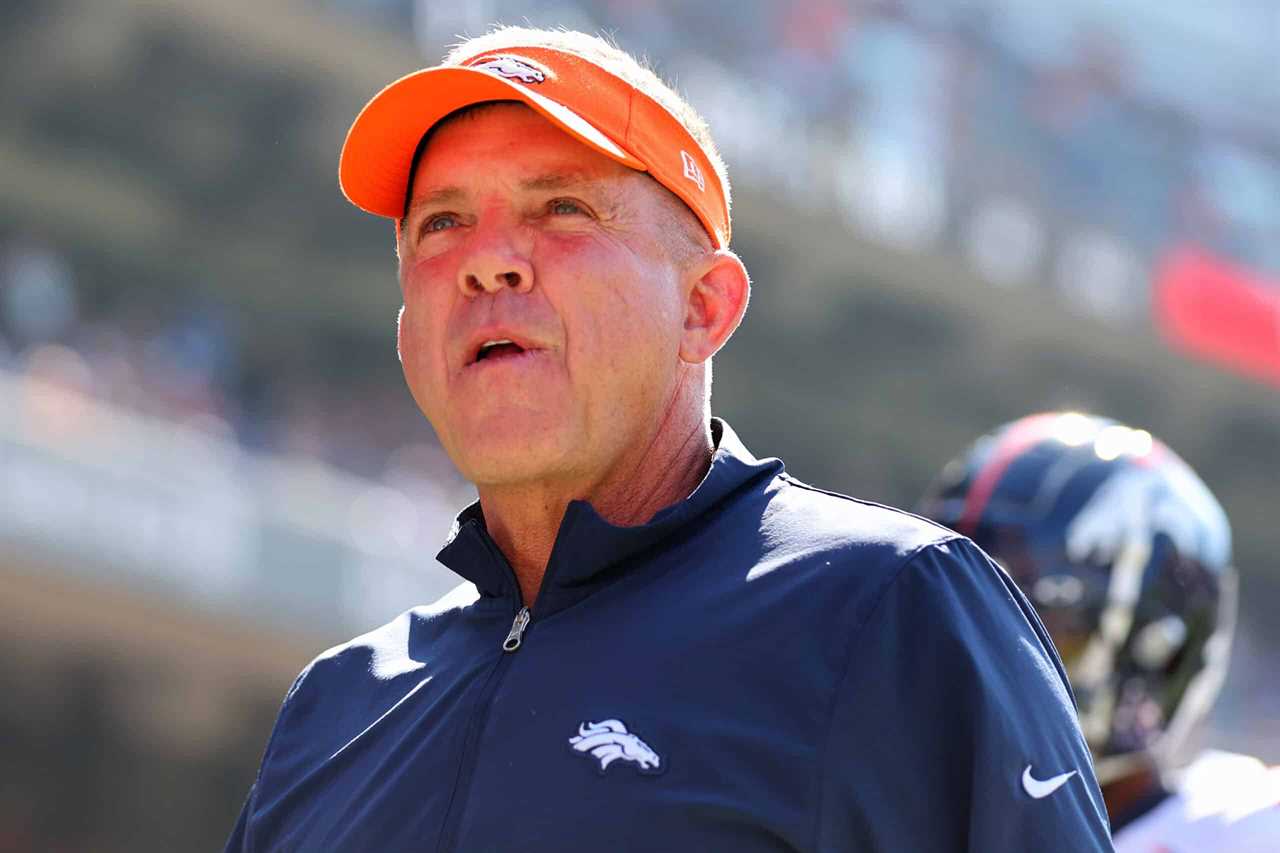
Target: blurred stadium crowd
(181,362)
(1014,130)
(207,296)
(1074,154)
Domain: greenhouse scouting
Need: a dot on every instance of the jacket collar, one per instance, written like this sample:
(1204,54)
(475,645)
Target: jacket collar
(586,545)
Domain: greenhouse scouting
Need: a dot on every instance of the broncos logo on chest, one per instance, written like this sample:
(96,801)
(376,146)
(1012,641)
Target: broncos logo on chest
(609,741)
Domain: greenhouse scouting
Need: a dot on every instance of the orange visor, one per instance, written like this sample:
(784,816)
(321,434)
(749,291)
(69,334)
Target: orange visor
(581,98)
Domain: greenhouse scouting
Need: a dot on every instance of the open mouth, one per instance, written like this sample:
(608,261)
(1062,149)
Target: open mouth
(497,349)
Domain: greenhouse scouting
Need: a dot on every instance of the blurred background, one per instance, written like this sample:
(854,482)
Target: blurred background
(955,213)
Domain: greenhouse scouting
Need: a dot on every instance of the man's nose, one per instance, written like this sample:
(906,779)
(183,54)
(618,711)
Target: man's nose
(495,264)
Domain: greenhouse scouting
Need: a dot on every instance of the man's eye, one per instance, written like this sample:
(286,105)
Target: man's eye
(439,222)
(565,207)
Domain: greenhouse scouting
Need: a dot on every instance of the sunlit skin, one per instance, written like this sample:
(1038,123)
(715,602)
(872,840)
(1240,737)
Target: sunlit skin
(518,231)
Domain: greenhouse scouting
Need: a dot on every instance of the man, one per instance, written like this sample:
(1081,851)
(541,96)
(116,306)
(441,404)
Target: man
(1126,555)
(665,643)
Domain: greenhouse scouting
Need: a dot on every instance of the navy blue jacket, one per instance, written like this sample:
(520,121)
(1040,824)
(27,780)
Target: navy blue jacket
(763,667)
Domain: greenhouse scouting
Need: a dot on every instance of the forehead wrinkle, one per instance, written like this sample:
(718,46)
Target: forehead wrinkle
(559,180)
(550,182)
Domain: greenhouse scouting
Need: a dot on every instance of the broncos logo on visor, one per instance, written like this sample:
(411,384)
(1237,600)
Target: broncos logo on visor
(609,741)
(511,67)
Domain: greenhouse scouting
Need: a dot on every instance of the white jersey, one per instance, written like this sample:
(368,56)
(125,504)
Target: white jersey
(1223,803)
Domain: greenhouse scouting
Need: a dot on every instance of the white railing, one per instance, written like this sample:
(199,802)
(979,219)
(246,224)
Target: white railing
(98,492)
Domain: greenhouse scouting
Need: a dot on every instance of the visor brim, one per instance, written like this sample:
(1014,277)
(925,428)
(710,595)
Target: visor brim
(373,170)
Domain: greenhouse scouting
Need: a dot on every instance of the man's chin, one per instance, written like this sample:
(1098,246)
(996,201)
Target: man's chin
(498,474)
(496,461)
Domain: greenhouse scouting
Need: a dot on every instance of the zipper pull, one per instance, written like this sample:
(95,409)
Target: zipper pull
(512,642)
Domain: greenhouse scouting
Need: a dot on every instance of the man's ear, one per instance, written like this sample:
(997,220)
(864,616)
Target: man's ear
(715,305)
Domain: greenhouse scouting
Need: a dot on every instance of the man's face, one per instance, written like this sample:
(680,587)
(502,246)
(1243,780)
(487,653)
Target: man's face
(517,232)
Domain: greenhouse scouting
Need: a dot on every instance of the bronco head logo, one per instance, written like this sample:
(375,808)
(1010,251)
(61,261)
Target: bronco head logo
(608,740)
(512,67)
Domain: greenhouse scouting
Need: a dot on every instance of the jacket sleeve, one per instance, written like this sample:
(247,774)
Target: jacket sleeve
(239,840)
(953,721)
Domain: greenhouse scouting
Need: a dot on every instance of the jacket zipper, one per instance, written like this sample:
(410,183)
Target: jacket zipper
(516,634)
(466,763)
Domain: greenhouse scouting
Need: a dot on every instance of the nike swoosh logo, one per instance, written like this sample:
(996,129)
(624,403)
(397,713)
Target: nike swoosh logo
(1041,788)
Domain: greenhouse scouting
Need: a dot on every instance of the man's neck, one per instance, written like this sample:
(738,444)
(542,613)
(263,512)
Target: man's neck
(523,520)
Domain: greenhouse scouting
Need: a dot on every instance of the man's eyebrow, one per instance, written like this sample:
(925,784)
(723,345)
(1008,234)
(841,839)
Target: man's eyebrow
(434,196)
(549,182)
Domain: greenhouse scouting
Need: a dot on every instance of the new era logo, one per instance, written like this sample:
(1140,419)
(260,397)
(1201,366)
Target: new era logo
(692,171)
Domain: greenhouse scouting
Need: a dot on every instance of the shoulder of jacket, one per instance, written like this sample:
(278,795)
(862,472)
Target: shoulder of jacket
(384,651)
(842,549)
(346,687)
(833,518)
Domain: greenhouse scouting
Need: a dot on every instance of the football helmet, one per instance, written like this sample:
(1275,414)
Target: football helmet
(1126,556)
